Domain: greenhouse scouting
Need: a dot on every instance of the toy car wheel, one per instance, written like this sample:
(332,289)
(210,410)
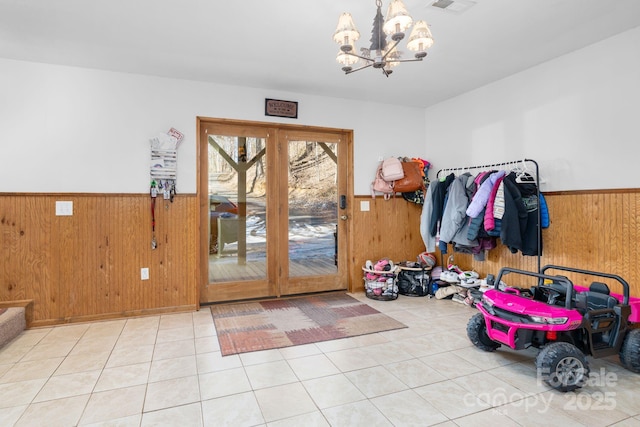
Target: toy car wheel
(562,366)
(477,333)
(630,351)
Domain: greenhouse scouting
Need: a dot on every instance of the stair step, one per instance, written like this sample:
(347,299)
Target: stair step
(12,323)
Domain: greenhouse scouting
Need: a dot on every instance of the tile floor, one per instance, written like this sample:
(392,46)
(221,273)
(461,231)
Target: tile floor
(167,370)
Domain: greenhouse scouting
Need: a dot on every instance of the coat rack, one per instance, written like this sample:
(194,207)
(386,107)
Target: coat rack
(514,163)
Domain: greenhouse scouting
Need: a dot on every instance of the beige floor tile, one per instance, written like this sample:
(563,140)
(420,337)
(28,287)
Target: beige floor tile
(131,421)
(207,344)
(132,338)
(212,362)
(314,366)
(257,357)
(420,346)
(589,406)
(175,334)
(65,333)
(536,411)
(9,416)
(49,350)
(270,374)
(388,352)
(450,365)
(130,355)
(333,390)
(451,399)
(311,419)
(19,393)
(488,418)
(105,329)
(35,369)
(82,363)
(375,381)
(141,324)
(173,321)
(29,337)
(351,359)
(296,351)
(185,415)
(123,376)
(284,401)
(415,373)
(170,393)
(178,367)
(237,410)
(361,413)
(418,375)
(173,349)
(490,389)
(94,345)
(407,408)
(63,386)
(60,412)
(223,383)
(204,330)
(114,404)
(11,353)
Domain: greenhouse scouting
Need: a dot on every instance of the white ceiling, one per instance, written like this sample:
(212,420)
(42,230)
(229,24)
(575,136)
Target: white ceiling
(286,45)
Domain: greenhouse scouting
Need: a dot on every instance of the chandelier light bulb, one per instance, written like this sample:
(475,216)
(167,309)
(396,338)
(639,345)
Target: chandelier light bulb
(398,19)
(420,38)
(346,33)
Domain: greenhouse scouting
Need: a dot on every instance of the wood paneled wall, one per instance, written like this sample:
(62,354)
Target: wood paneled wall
(592,230)
(87,266)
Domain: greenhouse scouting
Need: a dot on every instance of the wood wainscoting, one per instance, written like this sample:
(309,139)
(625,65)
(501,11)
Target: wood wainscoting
(592,230)
(87,266)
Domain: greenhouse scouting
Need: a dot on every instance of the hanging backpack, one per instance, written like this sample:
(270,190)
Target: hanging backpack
(392,169)
(381,186)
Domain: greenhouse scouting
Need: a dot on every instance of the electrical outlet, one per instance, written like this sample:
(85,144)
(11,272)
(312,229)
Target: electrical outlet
(144,274)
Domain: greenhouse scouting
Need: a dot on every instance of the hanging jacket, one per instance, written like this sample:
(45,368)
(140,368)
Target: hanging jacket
(425,219)
(455,222)
(514,220)
(439,191)
(544,212)
(479,201)
(489,219)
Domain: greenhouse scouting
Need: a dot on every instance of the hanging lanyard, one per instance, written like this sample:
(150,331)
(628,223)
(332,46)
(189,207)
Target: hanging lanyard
(154,191)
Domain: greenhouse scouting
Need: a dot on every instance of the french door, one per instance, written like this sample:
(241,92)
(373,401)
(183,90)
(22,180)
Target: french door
(274,211)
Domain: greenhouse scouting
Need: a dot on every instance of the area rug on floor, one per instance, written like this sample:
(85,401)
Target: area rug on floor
(263,325)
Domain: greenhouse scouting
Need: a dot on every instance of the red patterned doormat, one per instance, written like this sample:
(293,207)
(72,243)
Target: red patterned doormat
(253,326)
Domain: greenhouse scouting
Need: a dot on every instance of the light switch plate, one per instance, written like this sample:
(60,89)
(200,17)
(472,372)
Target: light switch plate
(64,208)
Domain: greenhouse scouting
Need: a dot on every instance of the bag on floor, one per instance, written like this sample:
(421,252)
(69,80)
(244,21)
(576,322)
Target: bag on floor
(413,282)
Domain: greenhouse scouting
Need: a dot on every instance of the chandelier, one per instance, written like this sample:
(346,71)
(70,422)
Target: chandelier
(381,54)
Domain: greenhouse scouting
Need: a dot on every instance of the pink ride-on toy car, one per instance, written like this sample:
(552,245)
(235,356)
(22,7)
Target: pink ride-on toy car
(567,322)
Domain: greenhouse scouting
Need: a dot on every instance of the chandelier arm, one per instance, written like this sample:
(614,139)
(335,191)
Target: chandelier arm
(358,69)
(358,56)
(390,49)
(405,60)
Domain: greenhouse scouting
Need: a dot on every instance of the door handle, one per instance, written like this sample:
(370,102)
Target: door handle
(343,217)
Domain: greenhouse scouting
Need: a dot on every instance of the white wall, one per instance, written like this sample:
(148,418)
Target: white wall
(66,129)
(577,115)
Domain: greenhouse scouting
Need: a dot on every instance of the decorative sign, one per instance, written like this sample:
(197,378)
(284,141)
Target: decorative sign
(279,108)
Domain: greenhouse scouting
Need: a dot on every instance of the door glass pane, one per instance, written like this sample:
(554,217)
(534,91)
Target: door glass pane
(313,208)
(237,208)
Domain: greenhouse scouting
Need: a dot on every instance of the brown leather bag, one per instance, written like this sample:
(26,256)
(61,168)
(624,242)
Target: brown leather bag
(412,180)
